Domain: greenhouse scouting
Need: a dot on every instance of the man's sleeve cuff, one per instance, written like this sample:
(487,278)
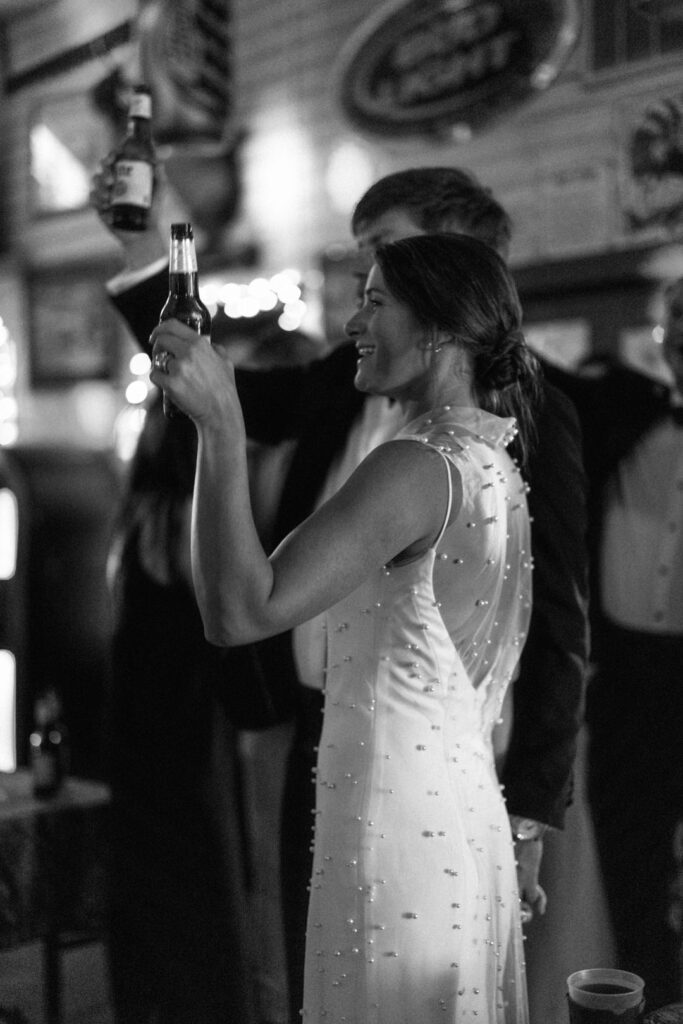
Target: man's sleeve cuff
(129,278)
(524,829)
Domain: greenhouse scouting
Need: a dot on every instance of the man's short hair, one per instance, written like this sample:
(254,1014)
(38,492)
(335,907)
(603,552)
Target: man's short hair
(438,199)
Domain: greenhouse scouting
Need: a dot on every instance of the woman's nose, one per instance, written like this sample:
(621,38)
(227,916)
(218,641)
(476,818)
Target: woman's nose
(355,325)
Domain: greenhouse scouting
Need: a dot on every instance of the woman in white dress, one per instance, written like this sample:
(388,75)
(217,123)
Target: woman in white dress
(422,561)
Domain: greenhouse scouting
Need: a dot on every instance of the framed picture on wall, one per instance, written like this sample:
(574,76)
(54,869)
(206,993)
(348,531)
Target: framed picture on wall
(74,332)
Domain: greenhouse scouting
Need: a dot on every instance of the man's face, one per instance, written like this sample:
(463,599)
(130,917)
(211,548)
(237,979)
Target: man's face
(673,335)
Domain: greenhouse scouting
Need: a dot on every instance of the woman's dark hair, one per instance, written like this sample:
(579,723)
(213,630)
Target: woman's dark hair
(461,285)
(160,480)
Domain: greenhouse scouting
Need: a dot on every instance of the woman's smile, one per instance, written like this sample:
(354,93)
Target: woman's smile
(389,340)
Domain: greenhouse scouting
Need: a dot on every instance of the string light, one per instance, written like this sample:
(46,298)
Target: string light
(261,295)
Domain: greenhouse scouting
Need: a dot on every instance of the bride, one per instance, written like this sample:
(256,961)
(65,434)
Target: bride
(422,565)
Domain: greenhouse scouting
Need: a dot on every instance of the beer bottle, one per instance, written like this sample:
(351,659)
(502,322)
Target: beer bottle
(134,163)
(49,749)
(183,302)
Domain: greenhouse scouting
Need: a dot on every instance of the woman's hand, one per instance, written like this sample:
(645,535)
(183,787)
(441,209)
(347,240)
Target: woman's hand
(198,377)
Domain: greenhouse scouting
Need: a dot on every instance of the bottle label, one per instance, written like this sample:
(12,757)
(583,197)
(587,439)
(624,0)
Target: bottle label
(140,105)
(133,184)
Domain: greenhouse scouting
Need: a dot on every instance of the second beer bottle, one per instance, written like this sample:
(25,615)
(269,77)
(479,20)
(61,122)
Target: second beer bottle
(134,166)
(183,302)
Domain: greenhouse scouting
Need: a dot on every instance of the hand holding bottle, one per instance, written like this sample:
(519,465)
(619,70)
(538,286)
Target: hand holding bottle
(124,189)
(140,247)
(195,375)
(183,302)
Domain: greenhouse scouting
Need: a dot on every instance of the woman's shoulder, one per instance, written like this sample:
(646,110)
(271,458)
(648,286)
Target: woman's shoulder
(458,430)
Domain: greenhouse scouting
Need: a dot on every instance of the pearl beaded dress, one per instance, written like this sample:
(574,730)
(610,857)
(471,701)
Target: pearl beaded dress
(414,910)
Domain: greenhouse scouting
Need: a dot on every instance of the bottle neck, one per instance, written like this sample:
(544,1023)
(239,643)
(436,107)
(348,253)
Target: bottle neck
(182,256)
(183,284)
(141,128)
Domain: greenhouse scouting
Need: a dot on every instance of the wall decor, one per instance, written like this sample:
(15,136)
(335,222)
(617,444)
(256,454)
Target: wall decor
(186,57)
(450,67)
(651,167)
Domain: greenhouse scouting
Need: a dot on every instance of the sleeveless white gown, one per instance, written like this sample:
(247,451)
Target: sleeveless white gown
(414,912)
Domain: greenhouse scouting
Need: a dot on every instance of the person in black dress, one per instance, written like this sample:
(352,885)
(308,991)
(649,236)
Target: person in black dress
(179,943)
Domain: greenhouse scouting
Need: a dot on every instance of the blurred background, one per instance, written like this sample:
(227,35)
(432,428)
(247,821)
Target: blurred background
(272,118)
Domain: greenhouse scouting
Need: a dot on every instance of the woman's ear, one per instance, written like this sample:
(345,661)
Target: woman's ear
(436,339)
(443,338)
(446,338)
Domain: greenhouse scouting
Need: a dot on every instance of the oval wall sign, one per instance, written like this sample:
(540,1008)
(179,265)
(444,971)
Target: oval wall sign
(452,66)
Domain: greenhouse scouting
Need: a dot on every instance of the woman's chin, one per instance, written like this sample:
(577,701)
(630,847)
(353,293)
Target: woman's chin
(363,383)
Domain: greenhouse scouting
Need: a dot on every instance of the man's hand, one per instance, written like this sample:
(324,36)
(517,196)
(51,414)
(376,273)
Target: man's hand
(140,248)
(528,855)
(528,836)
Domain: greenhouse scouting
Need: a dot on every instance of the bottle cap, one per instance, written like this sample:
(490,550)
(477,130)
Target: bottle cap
(140,103)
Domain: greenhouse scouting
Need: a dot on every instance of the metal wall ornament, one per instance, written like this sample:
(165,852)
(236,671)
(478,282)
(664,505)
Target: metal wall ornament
(186,58)
(185,52)
(652,179)
(448,68)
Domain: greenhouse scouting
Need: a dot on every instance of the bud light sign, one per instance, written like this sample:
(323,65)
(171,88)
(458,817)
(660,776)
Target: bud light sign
(451,66)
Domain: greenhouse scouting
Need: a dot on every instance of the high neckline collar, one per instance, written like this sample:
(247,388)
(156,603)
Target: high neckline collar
(494,430)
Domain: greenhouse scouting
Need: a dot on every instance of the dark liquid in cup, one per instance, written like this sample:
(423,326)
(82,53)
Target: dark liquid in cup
(587,1015)
(605,989)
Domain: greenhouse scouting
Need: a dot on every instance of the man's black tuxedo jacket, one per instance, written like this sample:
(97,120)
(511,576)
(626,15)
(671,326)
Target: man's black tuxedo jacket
(317,405)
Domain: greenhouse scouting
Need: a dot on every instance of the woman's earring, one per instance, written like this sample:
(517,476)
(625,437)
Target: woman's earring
(433,345)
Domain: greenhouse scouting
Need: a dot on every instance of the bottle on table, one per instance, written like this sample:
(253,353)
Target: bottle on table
(134,166)
(49,746)
(183,302)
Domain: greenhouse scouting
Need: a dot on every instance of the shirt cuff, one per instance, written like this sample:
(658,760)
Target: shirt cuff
(129,278)
(524,829)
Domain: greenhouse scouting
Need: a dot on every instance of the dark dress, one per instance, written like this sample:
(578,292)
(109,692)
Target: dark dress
(179,947)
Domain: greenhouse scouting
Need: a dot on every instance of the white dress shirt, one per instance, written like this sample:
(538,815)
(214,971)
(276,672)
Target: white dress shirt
(642,550)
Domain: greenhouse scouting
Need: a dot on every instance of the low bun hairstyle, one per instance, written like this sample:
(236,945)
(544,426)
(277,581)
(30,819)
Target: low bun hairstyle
(460,285)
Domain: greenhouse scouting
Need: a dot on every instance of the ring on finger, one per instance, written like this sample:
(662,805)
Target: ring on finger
(161,361)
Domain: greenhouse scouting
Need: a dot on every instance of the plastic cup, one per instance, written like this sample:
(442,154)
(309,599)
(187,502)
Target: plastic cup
(602,995)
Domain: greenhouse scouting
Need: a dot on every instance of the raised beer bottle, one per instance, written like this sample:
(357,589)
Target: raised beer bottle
(134,166)
(183,302)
